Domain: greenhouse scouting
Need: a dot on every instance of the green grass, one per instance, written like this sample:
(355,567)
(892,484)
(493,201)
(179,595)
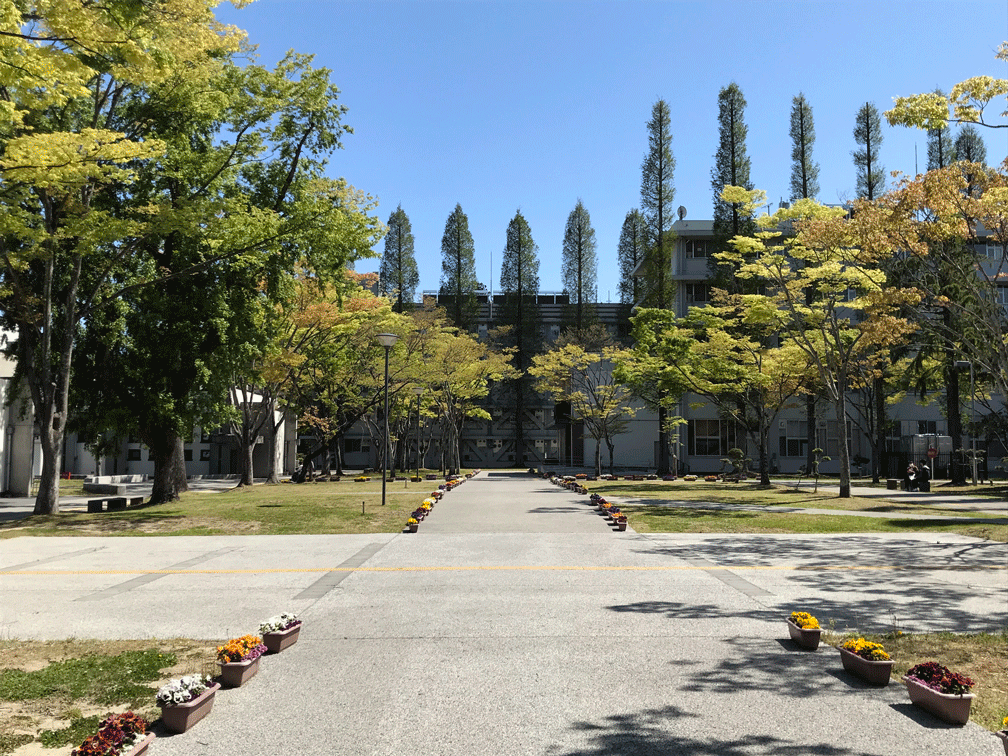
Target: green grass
(982,657)
(79,729)
(104,679)
(323,507)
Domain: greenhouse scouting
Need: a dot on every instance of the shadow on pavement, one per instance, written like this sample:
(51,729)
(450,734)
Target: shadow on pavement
(647,734)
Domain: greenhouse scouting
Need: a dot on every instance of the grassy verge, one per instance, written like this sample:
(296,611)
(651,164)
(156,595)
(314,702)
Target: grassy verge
(982,657)
(677,507)
(57,692)
(334,507)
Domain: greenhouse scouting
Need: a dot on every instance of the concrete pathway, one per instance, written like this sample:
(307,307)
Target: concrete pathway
(569,640)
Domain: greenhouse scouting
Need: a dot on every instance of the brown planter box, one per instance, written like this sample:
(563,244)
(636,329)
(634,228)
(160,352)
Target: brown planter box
(621,525)
(180,717)
(141,748)
(806,638)
(236,674)
(948,707)
(872,672)
(277,642)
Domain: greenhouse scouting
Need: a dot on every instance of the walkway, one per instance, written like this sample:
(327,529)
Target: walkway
(571,640)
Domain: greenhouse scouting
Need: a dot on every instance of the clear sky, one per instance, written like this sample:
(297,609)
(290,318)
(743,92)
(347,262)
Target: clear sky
(532,105)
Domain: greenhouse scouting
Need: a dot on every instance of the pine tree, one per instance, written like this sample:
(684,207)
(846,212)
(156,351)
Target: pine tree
(458,271)
(398,276)
(629,254)
(578,265)
(970,148)
(868,134)
(804,170)
(657,193)
(519,284)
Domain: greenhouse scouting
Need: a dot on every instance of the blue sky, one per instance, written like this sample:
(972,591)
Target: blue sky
(532,105)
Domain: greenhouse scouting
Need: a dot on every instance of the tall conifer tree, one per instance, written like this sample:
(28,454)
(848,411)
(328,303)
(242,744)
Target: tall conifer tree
(940,146)
(398,275)
(868,134)
(458,270)
(657,193)
(731,168)
(804,170)
(519,283)
(629,255)
(578,264)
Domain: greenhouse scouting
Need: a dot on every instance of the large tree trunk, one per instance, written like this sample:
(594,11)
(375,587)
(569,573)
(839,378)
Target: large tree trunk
(841,415)
(764,452)
(276,450)
(47,499)
(810,431)
(598,457)
(663,444)
(169,465)
(880,428)
(954,414)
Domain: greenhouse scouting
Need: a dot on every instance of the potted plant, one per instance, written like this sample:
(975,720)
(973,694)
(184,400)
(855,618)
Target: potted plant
(1003,734)
(239,659)
(412,524)
(185,701)
(867,660)
(118,734)
(804,630)
(940,691)
(280,632)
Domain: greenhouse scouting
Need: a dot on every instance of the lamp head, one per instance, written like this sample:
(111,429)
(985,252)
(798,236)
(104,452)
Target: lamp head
(387,340)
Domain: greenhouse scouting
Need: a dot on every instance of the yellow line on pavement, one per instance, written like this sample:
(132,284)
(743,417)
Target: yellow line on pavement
(504,567)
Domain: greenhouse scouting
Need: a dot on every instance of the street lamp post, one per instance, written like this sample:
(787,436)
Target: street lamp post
(388,341)
(962,364)
(418,390)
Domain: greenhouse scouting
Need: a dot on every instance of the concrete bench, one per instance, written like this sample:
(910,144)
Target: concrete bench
(892,484)
(135,501)
(117,504)
(95,505)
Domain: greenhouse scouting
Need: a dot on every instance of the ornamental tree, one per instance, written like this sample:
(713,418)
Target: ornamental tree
(853,311)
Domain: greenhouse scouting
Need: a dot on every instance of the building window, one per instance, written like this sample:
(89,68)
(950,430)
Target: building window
(133,455)
(351,445)
(927,427)
(697,248)
(829,439)
(893,437)
(697,293)
(711,437)
(204,455)
(794,438)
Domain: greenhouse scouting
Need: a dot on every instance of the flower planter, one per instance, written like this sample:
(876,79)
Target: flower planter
(141,746)
(872,672)
(1003,734)
(413,527)
(281,639)
(948,707)
(180,717)
(236,674)
(621,525)
(807,638)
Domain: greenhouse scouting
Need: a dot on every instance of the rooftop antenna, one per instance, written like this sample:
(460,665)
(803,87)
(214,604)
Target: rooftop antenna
(682,212)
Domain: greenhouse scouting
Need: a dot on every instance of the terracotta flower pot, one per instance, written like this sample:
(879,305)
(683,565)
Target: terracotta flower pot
(807,638)
(948,707)
(872,672)
(278,641)
(180,717)
(621,525)
(413,526)
(236,674)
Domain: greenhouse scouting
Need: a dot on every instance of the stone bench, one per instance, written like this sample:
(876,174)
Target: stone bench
(118,504)
(892,484)
(135,501)
(95,505)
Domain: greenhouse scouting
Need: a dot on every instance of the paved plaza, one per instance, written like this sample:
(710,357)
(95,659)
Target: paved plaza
(518,622)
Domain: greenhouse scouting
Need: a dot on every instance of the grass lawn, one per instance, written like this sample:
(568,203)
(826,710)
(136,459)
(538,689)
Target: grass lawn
(57,692)
(676,507)
(267,510)
(982,657)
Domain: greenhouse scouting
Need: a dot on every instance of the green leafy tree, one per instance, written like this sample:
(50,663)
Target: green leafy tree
(578,263)
(804,170)
(967,102)
(868,134)
(854,310)
(398,275)
(572,373)
(519,283)
(458,271)
(71,144)
(629,254)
